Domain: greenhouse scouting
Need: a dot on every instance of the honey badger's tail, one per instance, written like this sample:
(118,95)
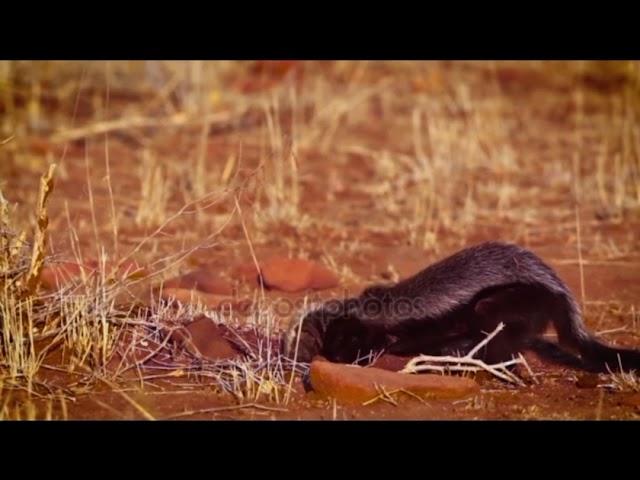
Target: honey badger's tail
(596,356)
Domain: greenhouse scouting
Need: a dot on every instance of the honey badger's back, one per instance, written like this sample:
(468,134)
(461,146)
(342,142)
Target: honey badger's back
(456,280)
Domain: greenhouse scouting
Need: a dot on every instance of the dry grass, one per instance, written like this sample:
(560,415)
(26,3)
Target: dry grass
(19,276)
(625,381)
(431,154)
(155,190)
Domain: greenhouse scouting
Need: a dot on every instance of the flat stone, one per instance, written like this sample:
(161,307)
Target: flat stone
(247,272)
(294,275)
(203,338)
(355,385)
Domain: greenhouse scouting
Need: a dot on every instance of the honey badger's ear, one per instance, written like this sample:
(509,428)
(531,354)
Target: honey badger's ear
(496,302)
(484,306)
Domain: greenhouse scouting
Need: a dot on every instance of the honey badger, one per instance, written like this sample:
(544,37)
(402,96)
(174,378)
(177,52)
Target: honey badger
(450,306)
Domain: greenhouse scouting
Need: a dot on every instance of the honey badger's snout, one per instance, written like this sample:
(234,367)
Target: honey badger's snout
(302,340)
(290,339)
(314,333)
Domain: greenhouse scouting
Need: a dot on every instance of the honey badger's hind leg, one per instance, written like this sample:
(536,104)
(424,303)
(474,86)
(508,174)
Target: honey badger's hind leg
(462,329)
(521,308)
(525,310)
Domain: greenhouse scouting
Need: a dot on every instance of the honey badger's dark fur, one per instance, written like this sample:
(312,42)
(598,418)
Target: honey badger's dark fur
(451,305)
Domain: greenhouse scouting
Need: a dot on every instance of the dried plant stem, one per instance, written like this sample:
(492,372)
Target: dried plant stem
(225,409)
(467,363)
(39,243)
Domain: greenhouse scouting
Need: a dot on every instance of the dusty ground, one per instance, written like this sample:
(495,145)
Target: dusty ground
(373,169)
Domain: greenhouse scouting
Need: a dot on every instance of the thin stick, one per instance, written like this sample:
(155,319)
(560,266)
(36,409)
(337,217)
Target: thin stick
(386,396)
(411,394)
(224,409)
(246,234)
(133,403)
(295,356)
(486,340)
(177,120)
(181,211)
(147,357)
(526,364)
(576,188)
(421,362)
(75,111)
(612,330)
(108,407)
(114,222)
(599,407)
(92,207)
(7,140)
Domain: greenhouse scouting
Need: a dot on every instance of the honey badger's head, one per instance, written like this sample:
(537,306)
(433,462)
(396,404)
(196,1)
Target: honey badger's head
(332,331)
(307,335)
(303,338)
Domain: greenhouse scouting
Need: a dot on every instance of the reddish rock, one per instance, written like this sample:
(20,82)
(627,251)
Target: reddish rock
(355,385)
(322,277)
(247,272)
(290,275)
(203,280)
(61,274)
(294,275)
(204,338)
